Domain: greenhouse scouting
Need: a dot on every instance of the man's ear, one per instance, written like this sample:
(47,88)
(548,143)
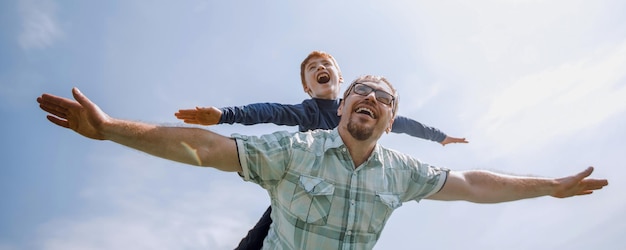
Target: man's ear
(340,108)
(390,125)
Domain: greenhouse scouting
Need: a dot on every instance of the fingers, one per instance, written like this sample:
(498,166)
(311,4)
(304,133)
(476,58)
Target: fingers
(587,172)
(59,108)
(82,99)
(55,110)
(595,184)
(186,114)
(57,121)
(589,185)
(449,140)
(53,105)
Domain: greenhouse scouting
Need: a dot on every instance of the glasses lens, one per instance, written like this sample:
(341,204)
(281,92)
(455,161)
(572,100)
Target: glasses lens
(384,97)
(381,96)
(362,89)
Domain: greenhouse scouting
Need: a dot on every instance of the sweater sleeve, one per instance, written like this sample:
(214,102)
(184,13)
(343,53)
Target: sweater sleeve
(276,113)
(414,128)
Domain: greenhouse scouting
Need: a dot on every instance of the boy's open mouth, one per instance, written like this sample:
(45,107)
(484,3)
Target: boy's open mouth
(323,78)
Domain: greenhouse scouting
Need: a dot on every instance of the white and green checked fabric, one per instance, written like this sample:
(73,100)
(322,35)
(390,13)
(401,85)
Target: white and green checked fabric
(319,199)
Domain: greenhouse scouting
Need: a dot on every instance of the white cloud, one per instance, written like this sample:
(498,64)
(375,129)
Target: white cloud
(39,24)
(576,95)
(200,220)
(136,201)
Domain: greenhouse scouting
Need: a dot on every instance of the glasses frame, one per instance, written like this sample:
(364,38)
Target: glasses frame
(377,93)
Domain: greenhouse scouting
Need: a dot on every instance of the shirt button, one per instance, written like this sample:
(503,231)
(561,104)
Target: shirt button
(352,202)
(349,232)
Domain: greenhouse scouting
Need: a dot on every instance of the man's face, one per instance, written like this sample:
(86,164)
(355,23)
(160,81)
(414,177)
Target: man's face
(364,116)
(322,78)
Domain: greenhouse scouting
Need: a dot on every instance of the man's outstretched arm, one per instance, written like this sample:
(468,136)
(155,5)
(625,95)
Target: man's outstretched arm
(187,145)
(489,187)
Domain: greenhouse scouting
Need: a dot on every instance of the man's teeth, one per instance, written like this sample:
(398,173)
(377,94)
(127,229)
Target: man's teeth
(365,111)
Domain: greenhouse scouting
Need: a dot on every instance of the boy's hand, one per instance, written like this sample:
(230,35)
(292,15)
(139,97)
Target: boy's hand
(201,116)
(453,140)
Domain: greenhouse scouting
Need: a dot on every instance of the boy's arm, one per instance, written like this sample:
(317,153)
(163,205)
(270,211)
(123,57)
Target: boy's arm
(276,113)
(414,128)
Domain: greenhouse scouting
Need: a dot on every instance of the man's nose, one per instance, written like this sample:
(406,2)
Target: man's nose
(321,67)
(371,96)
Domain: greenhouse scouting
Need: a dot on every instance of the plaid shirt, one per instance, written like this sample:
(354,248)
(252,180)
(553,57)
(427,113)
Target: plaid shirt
(319,199)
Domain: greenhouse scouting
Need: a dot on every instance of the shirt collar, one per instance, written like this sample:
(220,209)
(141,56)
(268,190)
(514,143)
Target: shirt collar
(334,141)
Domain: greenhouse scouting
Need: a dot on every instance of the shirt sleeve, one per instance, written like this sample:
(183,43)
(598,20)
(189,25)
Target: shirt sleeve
(426,179)
(416,129)
(263,159)
(276,113)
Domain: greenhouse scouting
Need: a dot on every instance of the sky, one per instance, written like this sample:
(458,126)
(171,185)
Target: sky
(537,87)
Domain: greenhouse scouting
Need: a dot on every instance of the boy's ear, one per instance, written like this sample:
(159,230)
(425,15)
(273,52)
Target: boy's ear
(307,90)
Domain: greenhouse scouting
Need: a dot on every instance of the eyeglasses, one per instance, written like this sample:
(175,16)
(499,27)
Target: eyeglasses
(381,95)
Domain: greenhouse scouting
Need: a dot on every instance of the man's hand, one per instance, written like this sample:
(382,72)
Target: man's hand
(82,115)
(200,116)
(449,139)
(578,184)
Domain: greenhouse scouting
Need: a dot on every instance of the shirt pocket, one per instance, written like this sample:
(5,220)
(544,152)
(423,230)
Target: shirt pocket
(384,204)
(312,199)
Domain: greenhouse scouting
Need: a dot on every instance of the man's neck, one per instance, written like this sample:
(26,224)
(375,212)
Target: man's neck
(359,151)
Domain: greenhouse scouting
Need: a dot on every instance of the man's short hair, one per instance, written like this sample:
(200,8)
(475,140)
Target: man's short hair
(376,79)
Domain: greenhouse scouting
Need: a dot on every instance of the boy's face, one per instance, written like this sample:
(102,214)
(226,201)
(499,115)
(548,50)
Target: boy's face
(322,78)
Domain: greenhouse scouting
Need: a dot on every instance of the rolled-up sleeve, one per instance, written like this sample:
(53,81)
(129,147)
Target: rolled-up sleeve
(263,158)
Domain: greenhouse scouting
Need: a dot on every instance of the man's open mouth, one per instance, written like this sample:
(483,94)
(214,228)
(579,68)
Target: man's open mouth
(323,78)
(366,111)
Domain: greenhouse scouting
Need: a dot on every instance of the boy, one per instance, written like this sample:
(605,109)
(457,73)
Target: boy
(321,79)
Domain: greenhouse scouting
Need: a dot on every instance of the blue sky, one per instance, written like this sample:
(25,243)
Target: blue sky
(537,87)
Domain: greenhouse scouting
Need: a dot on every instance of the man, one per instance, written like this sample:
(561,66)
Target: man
(321,79)
(331,189)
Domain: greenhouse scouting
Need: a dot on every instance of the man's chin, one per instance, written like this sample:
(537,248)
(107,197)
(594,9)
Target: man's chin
(359,132)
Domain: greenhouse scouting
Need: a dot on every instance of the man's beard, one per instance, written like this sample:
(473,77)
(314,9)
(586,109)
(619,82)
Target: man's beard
(360,133)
